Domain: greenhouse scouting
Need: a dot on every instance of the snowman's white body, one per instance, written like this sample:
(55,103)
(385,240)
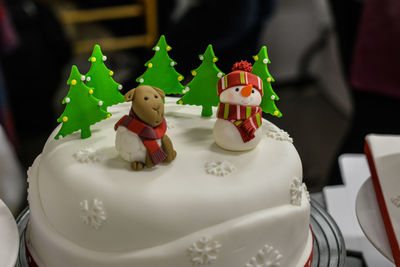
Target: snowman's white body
(226,134)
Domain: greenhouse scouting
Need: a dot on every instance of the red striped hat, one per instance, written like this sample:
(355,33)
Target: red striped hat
(240,75)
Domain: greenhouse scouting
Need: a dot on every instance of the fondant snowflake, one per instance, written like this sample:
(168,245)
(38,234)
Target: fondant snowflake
(220,168)
(266,257)
(204,251)
(276,133)
(296,191)
(396,201)
(92,213)
(88,154)
(306,192)
(170,124)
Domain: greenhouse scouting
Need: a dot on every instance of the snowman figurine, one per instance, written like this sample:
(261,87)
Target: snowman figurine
(239,117)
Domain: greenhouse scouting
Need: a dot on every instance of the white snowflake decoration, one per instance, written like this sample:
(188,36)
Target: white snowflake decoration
(266,257)
(204,251)
(276,133)
(220,168)
(306,192)
(296,191)
(92,213)
(170,124)
(88,154)
(396,201)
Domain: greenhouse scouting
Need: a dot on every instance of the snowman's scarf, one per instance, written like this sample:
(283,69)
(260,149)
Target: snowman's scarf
(147,134)
(247,119)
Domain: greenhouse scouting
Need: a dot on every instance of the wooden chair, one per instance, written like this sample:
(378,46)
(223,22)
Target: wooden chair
(142,8)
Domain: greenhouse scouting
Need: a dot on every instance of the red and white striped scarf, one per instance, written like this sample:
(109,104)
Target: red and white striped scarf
(147,134)
(247,119)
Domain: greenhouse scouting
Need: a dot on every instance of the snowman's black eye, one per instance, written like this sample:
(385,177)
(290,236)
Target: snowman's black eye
(252,91)
(237,89)
(146,98)
(155,96)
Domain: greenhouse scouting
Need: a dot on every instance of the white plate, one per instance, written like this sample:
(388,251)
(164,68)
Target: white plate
(9,241)
(370,219)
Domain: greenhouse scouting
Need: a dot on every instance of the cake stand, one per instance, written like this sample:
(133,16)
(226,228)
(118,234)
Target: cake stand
(370,219)
(8,237)
(329,249)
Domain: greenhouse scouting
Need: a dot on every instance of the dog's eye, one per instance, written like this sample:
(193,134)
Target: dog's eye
(237,89)
(155,96)
(146,98)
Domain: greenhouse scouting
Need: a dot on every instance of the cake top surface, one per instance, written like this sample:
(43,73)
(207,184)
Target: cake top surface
(203,179)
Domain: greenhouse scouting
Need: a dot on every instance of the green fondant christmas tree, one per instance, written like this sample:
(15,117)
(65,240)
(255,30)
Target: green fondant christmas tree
(160,71)
(82,108)
(260,69)
(202,90)
(100,79)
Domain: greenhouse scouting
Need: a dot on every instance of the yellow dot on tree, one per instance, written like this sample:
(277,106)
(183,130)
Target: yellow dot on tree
(180,102)
(108,115)
(276,113)
(111,73)
(150,65)
(73,82)
(180,78)
(169,48)
(194,73)
(215,59)
(93,59)
(255,58)
(91,91)
(269,79)
(65,119)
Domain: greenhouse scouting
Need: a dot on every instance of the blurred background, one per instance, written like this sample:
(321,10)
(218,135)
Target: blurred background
(334,62)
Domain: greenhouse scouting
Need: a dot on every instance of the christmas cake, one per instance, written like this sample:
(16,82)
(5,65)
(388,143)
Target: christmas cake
(153,184)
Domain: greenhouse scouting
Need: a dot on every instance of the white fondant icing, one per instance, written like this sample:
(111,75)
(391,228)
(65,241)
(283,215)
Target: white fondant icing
(266,257)
(296,191)
(92,213)
(204,251)
(220,168)
(153,216)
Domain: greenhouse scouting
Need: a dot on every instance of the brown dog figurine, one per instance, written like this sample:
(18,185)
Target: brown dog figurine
(141,137)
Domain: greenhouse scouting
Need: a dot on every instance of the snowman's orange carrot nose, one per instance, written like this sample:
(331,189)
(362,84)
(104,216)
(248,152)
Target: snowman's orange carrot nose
(246,91)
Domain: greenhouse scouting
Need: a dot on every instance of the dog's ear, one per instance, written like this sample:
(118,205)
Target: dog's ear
(159,91)
(129,95)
